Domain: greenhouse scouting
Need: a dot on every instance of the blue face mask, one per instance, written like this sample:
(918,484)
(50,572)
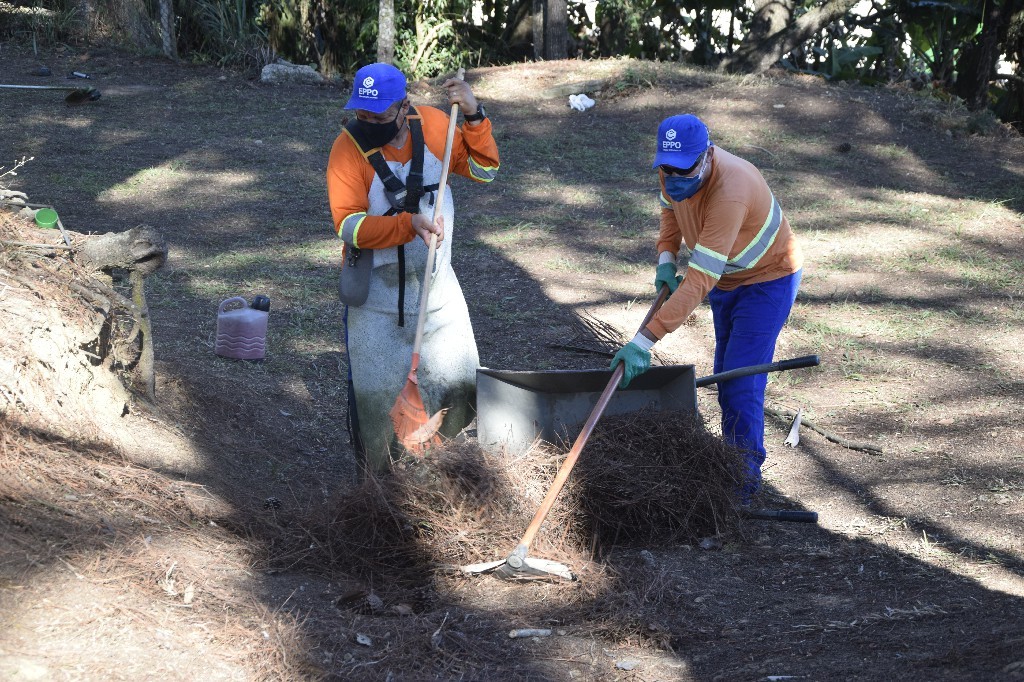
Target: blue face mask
(679,188)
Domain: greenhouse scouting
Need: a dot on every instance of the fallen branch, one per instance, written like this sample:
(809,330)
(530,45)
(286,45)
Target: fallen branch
(786,415)
(34,245)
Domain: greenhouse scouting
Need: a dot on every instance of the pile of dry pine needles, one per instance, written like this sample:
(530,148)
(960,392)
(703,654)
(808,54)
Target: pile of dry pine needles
(646,479)
(656,479)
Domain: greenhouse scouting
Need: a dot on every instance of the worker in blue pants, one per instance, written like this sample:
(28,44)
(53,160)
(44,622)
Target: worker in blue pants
(748,321)
(741,254)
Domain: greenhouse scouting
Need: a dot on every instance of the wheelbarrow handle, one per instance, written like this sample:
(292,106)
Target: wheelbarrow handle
(780,366)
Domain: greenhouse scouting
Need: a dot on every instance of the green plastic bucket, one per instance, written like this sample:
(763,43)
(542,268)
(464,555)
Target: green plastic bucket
(46,217)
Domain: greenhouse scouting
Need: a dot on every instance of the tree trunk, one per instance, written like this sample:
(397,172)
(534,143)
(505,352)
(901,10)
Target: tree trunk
(135,24)
(703,52)
(774,32)
(538,29)
(556,30)
(167,29)
(86,12)
(386,31)
(977,63)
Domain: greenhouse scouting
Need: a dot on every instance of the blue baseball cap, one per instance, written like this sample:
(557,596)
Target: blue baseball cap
(681,141)
(377,87)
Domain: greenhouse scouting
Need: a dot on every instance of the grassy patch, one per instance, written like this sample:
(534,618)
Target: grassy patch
(969,268)
(505,231)
(567,264)
(896,153)
(148,178)
(85,182)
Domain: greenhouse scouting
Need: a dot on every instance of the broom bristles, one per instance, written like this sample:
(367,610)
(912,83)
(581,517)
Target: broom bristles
(414,428)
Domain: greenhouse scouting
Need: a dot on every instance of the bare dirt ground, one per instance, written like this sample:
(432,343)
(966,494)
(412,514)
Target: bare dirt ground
(144,544)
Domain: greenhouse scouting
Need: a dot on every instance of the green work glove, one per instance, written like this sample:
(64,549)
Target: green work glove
(666,276)
(635,361)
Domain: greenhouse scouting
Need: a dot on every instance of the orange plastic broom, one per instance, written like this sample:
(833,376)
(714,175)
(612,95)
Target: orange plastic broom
(413,427)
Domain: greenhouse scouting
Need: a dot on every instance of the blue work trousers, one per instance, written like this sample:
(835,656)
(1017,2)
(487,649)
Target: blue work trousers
(748,321)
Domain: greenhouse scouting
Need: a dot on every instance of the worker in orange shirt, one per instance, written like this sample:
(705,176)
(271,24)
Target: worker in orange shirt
(742,256)
(382,182)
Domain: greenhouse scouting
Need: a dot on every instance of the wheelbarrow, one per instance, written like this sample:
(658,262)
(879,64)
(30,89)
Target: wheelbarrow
(515,408)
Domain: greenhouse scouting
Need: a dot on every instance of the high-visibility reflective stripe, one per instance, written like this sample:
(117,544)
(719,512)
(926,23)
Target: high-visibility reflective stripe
(349,231)
(663,200)
(482,173)
(748,257)
(711,263)
(715,264)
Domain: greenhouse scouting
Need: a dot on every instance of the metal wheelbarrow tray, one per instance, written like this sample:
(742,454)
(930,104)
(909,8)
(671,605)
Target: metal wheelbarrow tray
(514,408)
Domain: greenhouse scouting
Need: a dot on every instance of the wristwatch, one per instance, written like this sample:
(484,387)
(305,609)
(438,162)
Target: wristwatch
(480,114)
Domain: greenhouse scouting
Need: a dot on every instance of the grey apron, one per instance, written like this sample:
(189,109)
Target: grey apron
(380,352)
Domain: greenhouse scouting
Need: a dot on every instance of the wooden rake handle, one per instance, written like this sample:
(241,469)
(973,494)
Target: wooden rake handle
(588,428)
(421,318)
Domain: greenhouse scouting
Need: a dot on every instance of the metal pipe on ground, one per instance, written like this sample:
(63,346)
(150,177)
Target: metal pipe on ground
(75,96)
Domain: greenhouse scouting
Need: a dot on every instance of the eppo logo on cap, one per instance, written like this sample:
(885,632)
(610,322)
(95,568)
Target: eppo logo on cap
(367,89)
(669,141)
(375,87)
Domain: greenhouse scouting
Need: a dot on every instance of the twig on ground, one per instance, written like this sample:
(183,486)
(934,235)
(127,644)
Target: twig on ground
(786,415)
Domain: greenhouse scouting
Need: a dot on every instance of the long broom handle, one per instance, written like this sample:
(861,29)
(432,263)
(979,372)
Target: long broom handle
(581,440)
(421,319)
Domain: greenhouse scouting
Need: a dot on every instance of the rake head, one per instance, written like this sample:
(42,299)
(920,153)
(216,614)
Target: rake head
(518,567)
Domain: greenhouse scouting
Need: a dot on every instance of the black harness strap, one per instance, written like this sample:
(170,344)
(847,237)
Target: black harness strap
(401,285)
(414,180)
(403,197)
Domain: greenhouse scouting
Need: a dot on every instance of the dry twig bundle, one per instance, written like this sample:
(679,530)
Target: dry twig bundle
(597,336)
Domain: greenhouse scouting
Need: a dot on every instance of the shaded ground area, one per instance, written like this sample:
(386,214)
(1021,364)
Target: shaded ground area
(158,552)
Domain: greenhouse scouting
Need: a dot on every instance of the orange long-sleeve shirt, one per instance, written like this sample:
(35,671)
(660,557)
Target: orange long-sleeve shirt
(349,175)
(737,234)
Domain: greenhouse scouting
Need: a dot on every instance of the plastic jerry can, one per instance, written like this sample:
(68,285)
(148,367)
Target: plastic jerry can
(241,331)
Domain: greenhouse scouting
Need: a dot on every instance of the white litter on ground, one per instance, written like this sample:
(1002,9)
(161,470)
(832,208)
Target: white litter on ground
(580,102)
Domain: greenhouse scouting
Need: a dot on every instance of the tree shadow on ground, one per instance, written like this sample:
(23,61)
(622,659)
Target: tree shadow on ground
(237,189)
